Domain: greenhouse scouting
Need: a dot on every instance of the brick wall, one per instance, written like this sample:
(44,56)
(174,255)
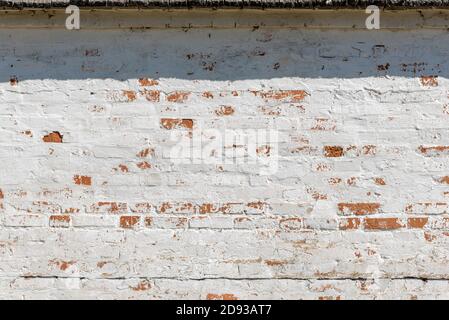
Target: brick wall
(93,206)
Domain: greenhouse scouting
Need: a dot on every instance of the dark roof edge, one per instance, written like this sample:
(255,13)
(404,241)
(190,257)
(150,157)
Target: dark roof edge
(261,4)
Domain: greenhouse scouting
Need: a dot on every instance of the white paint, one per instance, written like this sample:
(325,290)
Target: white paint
(85,85)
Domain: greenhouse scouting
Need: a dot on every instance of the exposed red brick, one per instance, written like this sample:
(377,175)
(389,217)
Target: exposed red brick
(145,152)
(144,165)
(270,111)
(130,95)
(379,181)
(369,150)
(178,96)
(123,168)
(145,82)
(351,181)
(333,151)
(291,95)
(334,181)
(82,180)
(229,208)
(322,167)
(417,223)
(208,95)
(358,208)
(71,210)
(164,206)
(382,223)
(152,95)
(61,264)
(53,137)
(444,180)
(60,218)
(60,221)
(260,205)
(427,207)
(1,194)
(429,236)
(148,221)
(143,207)
(207,208)
(316,195)
(429,81)
(224,111)
(176,123)
(323,124)
(183,207)
(111,207)
(225,296)
(181,222)
(129,222)
(274,262)
(434,150)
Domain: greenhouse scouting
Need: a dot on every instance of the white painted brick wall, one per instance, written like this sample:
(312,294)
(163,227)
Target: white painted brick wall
(93,207)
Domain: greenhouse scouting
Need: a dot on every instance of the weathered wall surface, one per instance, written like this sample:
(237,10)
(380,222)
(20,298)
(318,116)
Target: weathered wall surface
(92,205)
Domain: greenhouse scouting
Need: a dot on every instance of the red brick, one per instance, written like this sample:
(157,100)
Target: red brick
(333,151)
(382,224)
(82,180)
(53,137)
(170,124)
(129,222)
(358,208)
